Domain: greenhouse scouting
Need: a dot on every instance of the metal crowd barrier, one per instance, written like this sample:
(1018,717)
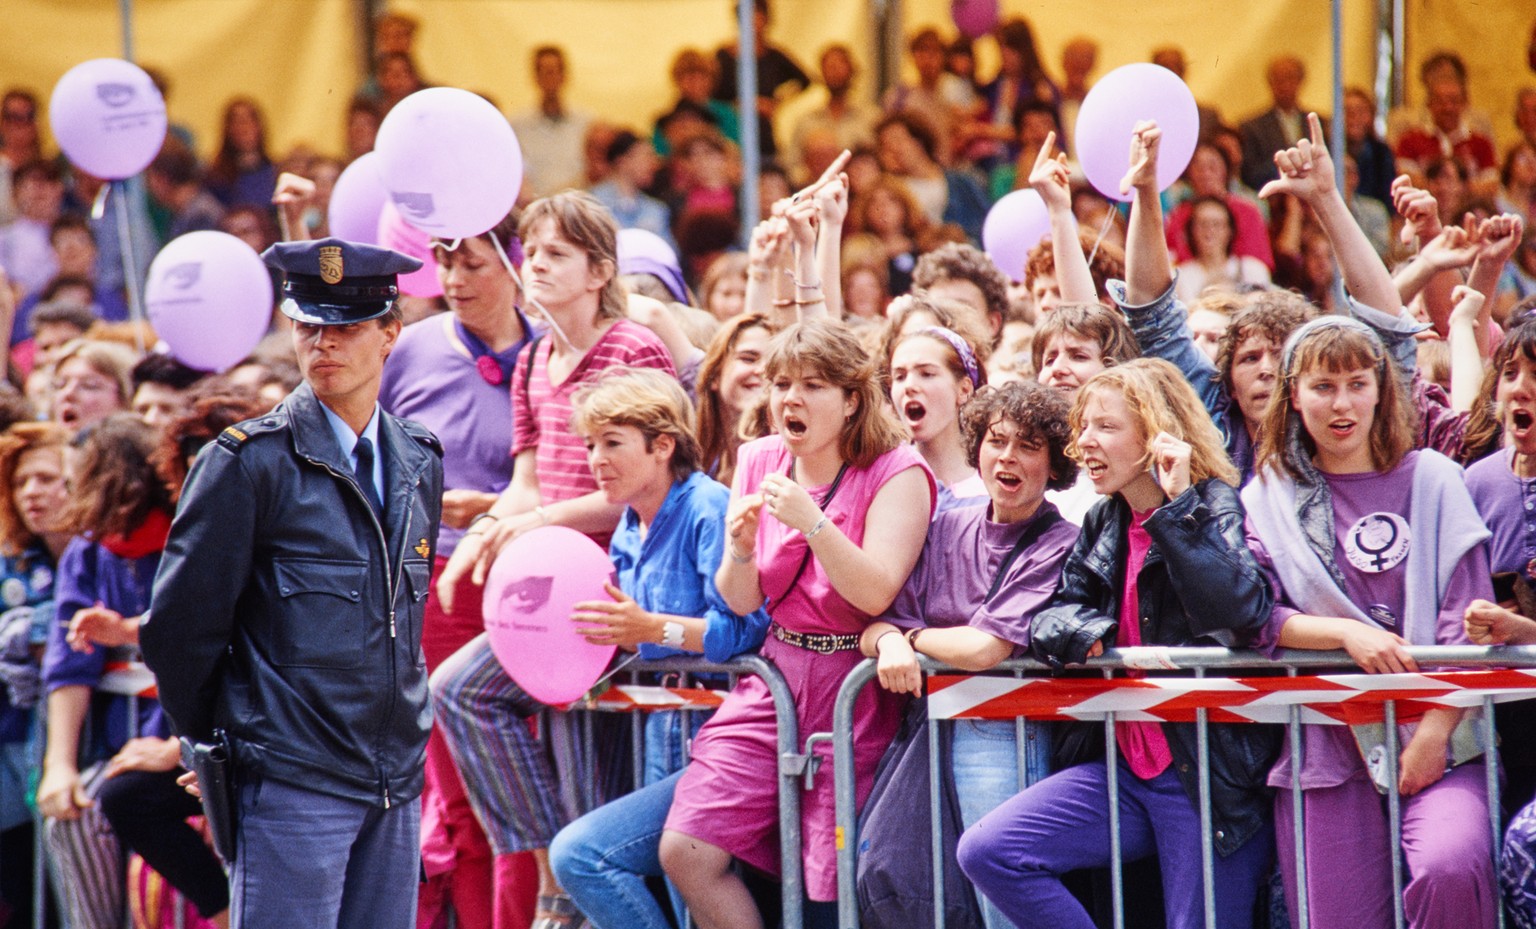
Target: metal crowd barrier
(1198,661)
(794,762)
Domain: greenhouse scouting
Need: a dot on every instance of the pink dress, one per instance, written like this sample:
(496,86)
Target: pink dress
(729,794)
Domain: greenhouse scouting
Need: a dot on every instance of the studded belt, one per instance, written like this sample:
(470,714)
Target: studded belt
(815,642)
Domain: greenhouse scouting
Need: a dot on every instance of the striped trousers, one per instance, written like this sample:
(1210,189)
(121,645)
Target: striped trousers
(508,774)
(85,863)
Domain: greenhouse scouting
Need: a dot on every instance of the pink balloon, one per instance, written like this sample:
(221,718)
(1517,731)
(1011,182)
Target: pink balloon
(108,117)
(394,232)
(1122,98)
(534,583)
(1014,225)
(209,297)
(357,200)
(974,18)
(450,161)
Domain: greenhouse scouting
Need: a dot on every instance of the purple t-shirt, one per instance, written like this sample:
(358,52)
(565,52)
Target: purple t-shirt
(960,560)
(1372,538)
(431,377)
(1508,506)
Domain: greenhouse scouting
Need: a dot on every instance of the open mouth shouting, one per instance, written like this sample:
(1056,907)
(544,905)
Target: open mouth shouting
(794,426)
(1008,481)
(1521,424)
(913,412)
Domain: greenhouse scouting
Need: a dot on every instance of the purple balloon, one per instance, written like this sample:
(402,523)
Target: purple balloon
(108,117)
(394,232)
(974,18)
(450,162)
(357,200)
(1122,98)
(209,297)
(1014,225)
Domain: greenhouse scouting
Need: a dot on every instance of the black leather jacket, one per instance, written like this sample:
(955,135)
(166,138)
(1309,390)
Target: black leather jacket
(1199,586)
(286,614)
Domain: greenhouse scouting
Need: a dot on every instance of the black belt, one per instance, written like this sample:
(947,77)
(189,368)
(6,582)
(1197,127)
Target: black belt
(815,642)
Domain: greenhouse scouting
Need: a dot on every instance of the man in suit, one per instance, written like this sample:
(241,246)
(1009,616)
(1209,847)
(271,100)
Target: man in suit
(287,612)
(1279,127)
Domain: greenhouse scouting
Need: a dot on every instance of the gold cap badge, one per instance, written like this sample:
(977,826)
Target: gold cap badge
(422,548)
(330,264)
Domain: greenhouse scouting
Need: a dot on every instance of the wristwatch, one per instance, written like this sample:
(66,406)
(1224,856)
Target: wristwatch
(672,634)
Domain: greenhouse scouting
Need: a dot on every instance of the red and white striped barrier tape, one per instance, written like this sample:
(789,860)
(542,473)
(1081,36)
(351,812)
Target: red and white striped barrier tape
(628,698)
(128,678)
(1341,699)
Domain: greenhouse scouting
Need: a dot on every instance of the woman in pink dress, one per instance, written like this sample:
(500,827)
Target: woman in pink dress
(827,518)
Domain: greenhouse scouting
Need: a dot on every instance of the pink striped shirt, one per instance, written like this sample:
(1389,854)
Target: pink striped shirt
(541,415)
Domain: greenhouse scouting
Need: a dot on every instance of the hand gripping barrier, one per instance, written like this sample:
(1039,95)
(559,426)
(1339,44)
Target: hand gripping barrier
(133,680)
(1509,673)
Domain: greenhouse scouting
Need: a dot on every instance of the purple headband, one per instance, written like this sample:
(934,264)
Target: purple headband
(961,347)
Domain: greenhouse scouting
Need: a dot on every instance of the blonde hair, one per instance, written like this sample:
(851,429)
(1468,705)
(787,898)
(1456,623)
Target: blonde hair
(1160,400)
(650,401)
(585,223)
(829,350)
(109,359)
(1338,349)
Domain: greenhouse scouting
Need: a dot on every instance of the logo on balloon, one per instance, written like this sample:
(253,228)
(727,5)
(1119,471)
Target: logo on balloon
(528,594)
(184,275)
(115,95)
(415,205)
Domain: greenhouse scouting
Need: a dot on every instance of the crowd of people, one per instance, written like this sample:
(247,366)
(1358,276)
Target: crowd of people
(1259,409)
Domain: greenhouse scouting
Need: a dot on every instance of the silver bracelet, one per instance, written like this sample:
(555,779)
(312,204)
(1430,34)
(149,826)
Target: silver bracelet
(820,525)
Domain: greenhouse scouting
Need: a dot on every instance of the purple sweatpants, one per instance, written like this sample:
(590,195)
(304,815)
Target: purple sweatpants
(1017,853)
(1446,847)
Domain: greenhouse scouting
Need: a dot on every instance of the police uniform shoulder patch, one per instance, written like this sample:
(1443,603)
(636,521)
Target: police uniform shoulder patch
(232,438)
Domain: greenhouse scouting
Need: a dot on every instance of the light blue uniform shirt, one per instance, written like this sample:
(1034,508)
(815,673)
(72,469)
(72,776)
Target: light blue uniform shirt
(346,440)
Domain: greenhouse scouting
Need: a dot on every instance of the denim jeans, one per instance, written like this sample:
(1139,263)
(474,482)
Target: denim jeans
(985,763)
(603,858)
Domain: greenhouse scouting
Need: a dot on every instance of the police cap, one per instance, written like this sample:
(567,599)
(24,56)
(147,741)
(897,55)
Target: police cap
(332,282)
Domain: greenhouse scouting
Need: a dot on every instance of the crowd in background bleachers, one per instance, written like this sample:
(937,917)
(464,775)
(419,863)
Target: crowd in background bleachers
(869,282)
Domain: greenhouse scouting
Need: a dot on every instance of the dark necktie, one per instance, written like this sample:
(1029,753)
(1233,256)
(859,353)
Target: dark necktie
(364,452)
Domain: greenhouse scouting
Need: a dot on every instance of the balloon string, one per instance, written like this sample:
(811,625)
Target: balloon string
(615,670)
(1109,217)
(507,263)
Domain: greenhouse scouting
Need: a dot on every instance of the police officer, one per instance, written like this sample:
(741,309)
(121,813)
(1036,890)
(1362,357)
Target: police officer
(287,611)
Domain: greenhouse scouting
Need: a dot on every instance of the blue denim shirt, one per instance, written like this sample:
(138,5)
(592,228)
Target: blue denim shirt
(672,569)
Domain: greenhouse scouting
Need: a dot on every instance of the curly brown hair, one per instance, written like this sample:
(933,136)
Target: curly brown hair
(1108,262)
(1094,321)
(218,408)
(1041,415)
(956,261)
(114,487)
(1271,316)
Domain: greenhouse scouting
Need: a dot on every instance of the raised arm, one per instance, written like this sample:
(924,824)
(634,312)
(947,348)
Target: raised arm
(1147,272)
(1051,180)
(1468,353)
(1307,171)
